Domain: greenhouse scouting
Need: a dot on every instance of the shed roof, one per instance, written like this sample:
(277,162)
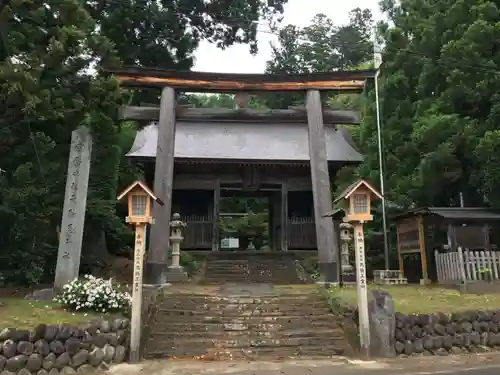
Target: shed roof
(245,142)
(456,213)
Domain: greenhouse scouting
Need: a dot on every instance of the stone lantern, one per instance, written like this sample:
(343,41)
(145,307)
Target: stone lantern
(176,272)
(346,238)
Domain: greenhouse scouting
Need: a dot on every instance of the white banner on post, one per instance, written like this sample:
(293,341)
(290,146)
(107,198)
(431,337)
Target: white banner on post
(135,334)
(362,290)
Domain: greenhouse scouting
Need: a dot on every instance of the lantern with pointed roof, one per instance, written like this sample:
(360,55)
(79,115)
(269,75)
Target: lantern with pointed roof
(139,197)
(356,201)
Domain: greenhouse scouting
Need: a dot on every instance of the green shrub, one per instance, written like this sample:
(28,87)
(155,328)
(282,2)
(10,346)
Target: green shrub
(187,261)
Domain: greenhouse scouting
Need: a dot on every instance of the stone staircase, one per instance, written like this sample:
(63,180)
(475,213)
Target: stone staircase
(274,268)
(222,326)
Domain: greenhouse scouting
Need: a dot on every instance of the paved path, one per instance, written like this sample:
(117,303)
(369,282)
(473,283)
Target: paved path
(487,364)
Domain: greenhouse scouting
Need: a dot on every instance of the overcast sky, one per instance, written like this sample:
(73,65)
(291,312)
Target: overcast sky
(237,59)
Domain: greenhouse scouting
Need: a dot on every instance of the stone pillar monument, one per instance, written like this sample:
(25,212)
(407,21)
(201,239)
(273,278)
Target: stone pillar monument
(176,272)
(75,201)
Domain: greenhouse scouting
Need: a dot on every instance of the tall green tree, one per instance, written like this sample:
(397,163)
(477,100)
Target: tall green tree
(218,101)
(439,102)
(165,34)
(322,46)
(45,92)
(49,51)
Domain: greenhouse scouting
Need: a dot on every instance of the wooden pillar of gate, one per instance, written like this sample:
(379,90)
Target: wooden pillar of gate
(156,266)
(322,196)
(216,218)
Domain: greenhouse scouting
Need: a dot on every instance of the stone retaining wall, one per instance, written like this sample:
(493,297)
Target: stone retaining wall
(150,294)
(396,334)
(442,334)
(63,349)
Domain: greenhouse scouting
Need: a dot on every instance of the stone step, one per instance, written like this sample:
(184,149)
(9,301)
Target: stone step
(222,279)
(263,353)
(258,268)
(245,312)
(225,271)
(243,308)
(221,334)
(238,342)
(283,319)
(237,304)
(249,280)
(224,266)
(283,300)
(268,326)
(226,278)
(228,267)
(204,327)
(244,301)
(262,267)
(235,262)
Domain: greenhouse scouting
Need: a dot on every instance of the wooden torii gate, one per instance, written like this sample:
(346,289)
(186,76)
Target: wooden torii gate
(171,81)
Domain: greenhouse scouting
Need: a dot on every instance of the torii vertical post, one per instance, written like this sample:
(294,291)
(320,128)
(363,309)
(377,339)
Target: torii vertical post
(322,196)
(156,267)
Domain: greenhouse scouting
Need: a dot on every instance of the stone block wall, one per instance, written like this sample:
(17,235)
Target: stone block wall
(396,334)
(443,334)
(150,295)
(63,349)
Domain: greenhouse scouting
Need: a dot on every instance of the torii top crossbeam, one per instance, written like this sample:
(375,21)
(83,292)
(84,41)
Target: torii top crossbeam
(350,81)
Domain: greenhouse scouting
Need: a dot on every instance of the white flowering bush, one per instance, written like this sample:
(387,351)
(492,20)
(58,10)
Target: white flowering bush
(93,293)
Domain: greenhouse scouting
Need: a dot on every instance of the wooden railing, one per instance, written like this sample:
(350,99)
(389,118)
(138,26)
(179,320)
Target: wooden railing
(301,233)
(199,232)
(467,266)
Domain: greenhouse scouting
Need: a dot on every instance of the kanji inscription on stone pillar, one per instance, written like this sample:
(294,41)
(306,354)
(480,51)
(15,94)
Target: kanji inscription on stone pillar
(75,201)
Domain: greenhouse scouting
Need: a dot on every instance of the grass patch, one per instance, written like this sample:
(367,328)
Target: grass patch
(416,299)
(23,314)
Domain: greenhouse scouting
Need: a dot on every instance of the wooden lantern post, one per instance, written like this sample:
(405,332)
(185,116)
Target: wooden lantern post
(356,200)
(139,198)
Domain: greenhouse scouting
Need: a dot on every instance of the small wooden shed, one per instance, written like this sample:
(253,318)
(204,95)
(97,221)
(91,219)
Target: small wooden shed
(423,230)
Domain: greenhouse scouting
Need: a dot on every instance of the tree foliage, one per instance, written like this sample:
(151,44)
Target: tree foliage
(218,101)
(438,98)
(439,91)
(322,46)
(46,93)
(49,52)
(438,102)
(165,34)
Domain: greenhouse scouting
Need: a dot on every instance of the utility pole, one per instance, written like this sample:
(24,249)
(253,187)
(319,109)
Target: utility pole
(377,57)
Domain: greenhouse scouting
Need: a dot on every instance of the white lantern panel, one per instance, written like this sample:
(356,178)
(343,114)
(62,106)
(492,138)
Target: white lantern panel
(139,204)
(360,203)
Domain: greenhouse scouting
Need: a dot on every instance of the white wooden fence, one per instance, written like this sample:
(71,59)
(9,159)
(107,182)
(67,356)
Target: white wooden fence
(467,266)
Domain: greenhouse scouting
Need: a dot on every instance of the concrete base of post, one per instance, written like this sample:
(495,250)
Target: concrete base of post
(364,354)
(329,272)
(134,356)
(176,274)
(155,273)
(155,286)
